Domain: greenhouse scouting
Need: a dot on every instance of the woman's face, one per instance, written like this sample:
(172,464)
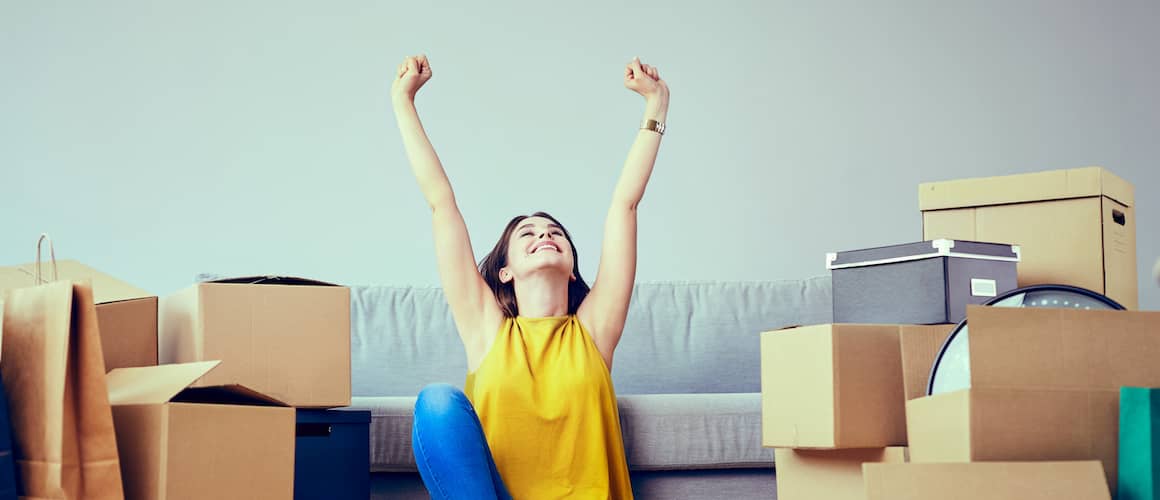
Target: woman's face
(537,245)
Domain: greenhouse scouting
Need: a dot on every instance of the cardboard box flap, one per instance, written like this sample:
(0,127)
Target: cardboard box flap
(1048,348)
(105,288)
(153,384)
(233,394)
(1022,188)
(272,280)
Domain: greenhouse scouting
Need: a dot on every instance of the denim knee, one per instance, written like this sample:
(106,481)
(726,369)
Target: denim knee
(438,401)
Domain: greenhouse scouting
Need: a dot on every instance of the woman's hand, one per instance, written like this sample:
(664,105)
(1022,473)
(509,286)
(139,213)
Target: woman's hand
(645,80)
(412,74)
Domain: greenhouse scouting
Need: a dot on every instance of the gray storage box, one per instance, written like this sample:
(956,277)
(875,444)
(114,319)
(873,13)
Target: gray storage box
(928,282)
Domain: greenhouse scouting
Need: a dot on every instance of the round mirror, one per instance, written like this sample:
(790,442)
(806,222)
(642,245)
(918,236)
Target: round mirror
(952,367)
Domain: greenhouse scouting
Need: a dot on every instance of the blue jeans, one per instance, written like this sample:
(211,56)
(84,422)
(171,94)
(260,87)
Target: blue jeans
(450,448)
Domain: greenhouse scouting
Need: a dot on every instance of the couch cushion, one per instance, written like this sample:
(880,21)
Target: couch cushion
(693,431)
(706,336)
(679,337)
(661,431)
(391,418)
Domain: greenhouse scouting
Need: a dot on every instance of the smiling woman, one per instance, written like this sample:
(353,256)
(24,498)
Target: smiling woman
(537,417)
(524,237)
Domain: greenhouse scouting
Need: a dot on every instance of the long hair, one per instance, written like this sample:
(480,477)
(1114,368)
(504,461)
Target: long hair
(505,293)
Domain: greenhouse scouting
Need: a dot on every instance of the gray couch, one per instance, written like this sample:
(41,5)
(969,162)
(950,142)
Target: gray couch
(687,373)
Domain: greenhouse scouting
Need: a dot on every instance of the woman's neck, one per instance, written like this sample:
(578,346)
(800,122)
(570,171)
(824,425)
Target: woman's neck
(541,296)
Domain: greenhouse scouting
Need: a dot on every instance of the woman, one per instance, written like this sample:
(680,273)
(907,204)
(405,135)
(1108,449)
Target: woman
(537,418)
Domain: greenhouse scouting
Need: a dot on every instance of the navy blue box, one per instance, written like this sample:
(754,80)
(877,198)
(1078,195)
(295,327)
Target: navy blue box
(332,457)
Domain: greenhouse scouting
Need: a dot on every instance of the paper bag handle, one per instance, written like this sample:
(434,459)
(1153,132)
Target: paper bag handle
(51,255)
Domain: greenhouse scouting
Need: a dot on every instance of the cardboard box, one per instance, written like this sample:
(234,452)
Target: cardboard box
(1044,386)
(920,345)
(991,481)
(827,474)
(177,443)
(832,386)
(126,315)
(1004,424)
(1075,227)
(285,337)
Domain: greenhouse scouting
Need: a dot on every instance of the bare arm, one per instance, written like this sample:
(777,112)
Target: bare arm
(472,303)
(606,307)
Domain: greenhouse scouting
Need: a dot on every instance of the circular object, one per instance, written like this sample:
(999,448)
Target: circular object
(952,367)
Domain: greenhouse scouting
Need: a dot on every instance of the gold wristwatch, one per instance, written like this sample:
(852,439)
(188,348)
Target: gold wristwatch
(655,126)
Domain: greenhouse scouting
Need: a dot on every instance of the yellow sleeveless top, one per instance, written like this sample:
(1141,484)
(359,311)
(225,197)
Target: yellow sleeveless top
(544,396)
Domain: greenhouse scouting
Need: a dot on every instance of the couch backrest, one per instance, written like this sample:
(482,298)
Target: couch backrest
(680,337)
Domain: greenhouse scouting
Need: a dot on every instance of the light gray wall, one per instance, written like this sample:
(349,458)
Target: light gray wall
(159,140)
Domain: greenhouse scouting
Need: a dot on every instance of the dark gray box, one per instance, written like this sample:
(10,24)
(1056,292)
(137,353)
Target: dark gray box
(928,282)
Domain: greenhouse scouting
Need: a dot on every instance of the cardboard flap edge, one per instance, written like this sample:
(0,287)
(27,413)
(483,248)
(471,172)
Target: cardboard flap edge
(154,384)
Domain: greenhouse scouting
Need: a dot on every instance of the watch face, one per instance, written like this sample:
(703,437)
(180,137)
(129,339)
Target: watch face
(952,367)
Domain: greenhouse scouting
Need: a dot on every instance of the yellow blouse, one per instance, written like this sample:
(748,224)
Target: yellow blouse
(544,396)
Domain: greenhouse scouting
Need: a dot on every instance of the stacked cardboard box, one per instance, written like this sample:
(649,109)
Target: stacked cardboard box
(280,341)
(288,338)
(1044,386)
(126,315)
(215,442)
(1074,227)
(1044,389)
(833,398)
(1044,382)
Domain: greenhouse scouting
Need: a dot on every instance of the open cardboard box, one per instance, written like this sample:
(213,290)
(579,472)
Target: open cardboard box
(126,315)
(832,386)
(1044,386)
(1080,480)
(285,337)
(214,442)
(1074,227)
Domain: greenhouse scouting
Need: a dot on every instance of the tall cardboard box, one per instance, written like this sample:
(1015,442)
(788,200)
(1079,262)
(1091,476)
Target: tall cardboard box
(828,474)
(832,386)
(1080,480)
(126,315)
(1044,386)
(285,337)
(1075,227)
(178,443)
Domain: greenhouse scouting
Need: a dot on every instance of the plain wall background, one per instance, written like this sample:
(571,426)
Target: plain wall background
(156,141)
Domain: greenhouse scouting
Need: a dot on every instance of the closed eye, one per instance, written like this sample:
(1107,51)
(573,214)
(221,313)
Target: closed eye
(526,233)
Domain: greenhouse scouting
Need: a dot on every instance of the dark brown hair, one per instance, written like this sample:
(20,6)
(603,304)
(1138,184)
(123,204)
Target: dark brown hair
(505,293)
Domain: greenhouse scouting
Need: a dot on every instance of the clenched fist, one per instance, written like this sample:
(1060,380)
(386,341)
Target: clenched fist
(645,80)
(412,74)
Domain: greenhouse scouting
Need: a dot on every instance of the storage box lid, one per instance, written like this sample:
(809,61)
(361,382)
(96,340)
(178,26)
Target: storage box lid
(335,416)
(1022,188)
(105,288)
(271,280)
(922,250)
(165,383)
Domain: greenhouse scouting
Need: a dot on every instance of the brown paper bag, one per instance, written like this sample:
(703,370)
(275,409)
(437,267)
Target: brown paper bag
(54,372)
